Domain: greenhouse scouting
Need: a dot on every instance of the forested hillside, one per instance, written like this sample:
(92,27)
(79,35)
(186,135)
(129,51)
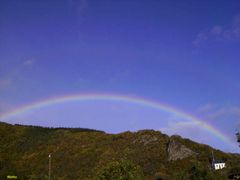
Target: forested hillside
(89,154)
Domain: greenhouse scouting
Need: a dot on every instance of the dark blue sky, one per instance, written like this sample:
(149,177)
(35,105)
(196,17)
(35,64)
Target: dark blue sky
(184,53)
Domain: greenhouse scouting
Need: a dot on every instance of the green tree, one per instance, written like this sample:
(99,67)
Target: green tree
(194,173)
(234,171)
(120,170)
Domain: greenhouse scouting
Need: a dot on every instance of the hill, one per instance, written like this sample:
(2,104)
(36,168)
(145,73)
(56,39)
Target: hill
(78,153)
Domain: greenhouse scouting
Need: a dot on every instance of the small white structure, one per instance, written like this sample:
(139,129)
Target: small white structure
(218,165)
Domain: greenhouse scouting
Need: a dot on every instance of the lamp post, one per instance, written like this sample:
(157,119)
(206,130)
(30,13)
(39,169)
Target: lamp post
(49,166)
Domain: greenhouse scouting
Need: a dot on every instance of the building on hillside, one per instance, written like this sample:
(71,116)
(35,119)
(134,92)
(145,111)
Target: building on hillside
(218,164)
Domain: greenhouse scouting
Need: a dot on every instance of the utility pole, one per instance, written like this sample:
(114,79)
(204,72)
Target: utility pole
(49,167)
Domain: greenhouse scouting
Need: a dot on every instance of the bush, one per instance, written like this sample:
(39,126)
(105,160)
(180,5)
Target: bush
(120,170)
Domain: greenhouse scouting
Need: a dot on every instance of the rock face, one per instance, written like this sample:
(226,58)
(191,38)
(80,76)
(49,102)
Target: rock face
(146,139)
(178,151)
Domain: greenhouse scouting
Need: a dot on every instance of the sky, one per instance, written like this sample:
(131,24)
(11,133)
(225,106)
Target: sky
(182,53)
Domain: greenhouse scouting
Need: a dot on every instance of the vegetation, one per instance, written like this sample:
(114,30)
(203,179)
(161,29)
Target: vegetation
(120,170)
(90,154)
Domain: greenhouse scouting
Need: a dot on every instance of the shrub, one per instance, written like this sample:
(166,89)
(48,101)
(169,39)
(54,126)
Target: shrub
(120,170)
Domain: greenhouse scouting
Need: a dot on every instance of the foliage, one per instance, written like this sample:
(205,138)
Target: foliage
(120,170)
(234,171)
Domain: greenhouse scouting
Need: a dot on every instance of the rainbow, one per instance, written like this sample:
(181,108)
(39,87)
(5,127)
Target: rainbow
(118,98)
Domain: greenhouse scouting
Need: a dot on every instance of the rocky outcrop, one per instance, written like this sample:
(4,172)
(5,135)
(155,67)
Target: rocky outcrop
(177,151)
(149,137)
(146,139)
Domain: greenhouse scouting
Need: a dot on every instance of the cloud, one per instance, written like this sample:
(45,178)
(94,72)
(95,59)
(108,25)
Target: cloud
(28,62)
(5,107)
(82,83)
(201,37)
(79,7)
(119,76)
(205,108)
(5,82)
(15,73)
(227,117)
(190,129)
(179,127)
(219,33)
(216,30)
(226,111)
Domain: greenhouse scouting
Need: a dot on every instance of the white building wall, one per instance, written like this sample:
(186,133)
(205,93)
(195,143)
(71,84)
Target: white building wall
(219,166)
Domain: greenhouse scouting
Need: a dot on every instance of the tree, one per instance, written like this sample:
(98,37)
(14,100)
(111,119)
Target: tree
(120,170)
(234,172)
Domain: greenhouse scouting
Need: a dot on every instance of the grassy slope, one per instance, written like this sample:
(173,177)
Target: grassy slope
(80,153)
